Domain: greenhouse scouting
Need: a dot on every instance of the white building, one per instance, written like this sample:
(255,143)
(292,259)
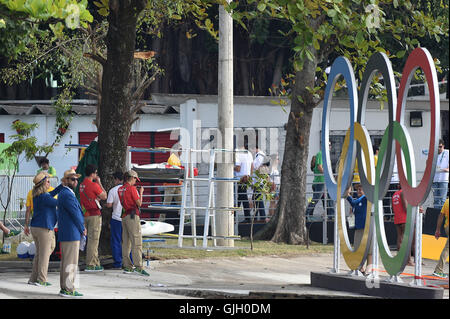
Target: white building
(259,118)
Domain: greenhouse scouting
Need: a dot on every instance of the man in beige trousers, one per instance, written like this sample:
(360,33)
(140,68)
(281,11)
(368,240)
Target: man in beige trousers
(70,229)
(91,192)
(131,200)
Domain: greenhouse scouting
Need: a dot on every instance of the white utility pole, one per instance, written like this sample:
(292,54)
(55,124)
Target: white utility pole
(225,190)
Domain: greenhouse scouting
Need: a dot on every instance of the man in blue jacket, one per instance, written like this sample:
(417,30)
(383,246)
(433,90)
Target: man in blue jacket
(70,229)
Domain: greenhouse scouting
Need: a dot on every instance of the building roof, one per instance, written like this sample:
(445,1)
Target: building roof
(79,107)
(170,104)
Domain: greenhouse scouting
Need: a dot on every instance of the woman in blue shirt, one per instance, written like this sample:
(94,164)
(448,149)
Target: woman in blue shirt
(42,225)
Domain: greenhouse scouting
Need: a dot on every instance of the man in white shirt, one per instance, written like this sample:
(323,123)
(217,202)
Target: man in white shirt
(440,181)
(116,220)
(260,157)
(243,169)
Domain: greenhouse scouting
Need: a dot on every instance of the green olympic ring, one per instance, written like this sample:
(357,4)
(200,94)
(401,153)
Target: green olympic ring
(395,265)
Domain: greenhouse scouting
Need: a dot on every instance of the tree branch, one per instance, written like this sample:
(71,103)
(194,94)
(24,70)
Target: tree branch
(96,57)
(142,87)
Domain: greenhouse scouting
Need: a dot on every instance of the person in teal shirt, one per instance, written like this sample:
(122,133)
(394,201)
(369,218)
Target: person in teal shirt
(45,167)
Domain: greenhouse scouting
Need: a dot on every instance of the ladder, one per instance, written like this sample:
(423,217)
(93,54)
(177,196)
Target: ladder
(210,209)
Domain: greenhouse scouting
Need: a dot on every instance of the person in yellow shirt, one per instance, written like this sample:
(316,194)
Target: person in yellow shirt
(172,190)
(376,150)
(356,179)
(439,270)
(29,209)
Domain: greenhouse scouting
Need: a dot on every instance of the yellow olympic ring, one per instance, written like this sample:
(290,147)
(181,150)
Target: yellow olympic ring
(355,257)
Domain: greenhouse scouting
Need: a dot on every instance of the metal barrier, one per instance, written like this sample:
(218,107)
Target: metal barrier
(318,213)
(155,195)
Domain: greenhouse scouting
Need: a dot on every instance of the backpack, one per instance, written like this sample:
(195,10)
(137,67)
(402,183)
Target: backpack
(313,163)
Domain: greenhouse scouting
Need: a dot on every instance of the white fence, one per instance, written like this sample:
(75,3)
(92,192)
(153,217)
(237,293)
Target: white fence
(20,185)
(23,184)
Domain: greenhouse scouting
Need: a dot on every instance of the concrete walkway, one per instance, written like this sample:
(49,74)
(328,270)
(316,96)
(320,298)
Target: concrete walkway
(246,277)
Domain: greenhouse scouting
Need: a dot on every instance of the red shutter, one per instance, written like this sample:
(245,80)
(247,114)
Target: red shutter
(142,140)
(136,139)
(85,138)
(139,140)
(162,139)
(2,137)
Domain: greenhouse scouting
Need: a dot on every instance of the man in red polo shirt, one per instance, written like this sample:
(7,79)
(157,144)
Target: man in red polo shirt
(91,191)
(131,200)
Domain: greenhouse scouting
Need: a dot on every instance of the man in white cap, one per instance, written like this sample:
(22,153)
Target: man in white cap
(70,229)
(131,200)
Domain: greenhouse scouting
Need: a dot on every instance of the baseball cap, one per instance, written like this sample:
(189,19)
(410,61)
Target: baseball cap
(69,173)
(133,174)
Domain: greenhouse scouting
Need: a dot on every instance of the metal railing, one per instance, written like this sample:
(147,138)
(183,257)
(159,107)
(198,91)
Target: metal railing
(155,195)
(318,212)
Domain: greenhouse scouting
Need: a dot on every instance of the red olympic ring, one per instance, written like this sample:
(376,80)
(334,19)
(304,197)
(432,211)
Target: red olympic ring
(419,58)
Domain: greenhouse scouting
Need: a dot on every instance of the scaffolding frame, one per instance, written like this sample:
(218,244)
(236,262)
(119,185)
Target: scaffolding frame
(210,209)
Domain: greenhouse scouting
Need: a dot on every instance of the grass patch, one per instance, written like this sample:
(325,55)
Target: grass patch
(169,250)
(241,248)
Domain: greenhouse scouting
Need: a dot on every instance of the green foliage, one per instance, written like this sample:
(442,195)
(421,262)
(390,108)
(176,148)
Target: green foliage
(47,57)
(15,36)
(24,143)
(22,21)
(160,12)
(102,7)
(261,184)
(323,29)
(73,13)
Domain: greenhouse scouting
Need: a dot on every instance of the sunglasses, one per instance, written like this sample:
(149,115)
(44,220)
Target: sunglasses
(73,179)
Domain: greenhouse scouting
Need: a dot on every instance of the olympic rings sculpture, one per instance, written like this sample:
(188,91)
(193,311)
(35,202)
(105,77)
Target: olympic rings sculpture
(396,147)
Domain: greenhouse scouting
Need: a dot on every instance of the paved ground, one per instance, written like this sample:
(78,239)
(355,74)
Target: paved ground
(247,277)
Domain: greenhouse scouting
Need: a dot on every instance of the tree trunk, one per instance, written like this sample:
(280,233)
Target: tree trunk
(288,223)
(116,103)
